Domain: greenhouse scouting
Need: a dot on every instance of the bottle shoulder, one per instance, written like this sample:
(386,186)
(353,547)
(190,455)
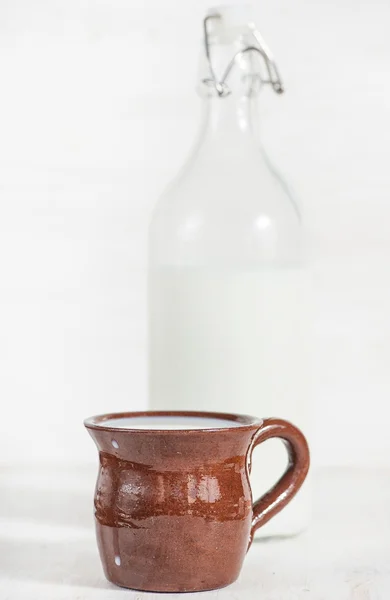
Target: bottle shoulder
(221,201)
(237,180)
(226,207)
(226,228)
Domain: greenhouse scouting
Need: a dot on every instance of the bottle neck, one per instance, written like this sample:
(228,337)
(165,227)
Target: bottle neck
(229,118)
(229,125)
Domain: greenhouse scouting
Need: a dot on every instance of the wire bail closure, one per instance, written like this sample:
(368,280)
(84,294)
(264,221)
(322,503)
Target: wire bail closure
(261,48)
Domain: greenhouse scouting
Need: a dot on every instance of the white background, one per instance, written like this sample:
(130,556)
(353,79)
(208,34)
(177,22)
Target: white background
(97,112)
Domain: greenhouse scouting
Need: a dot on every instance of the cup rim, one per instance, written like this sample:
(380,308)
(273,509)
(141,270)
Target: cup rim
(245,421)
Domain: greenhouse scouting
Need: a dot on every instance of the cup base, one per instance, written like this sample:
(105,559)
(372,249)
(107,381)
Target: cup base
(172,589)
(136,558)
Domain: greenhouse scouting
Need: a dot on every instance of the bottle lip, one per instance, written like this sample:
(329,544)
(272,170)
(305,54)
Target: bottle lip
(222,25)
(230,22)
(231,15)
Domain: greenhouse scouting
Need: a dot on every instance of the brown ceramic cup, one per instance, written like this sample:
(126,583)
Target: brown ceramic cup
(173,502)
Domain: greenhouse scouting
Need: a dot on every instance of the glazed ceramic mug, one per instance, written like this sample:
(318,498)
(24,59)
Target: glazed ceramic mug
(173,502)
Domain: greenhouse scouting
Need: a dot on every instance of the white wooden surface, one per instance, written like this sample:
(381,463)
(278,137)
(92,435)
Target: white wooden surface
(48,550)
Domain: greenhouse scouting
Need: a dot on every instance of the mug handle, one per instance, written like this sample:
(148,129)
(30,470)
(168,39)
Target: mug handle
(287,486)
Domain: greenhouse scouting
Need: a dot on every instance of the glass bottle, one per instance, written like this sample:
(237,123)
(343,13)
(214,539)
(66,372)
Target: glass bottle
(226,281)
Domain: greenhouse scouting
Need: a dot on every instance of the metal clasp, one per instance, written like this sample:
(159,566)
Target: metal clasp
(261,48)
